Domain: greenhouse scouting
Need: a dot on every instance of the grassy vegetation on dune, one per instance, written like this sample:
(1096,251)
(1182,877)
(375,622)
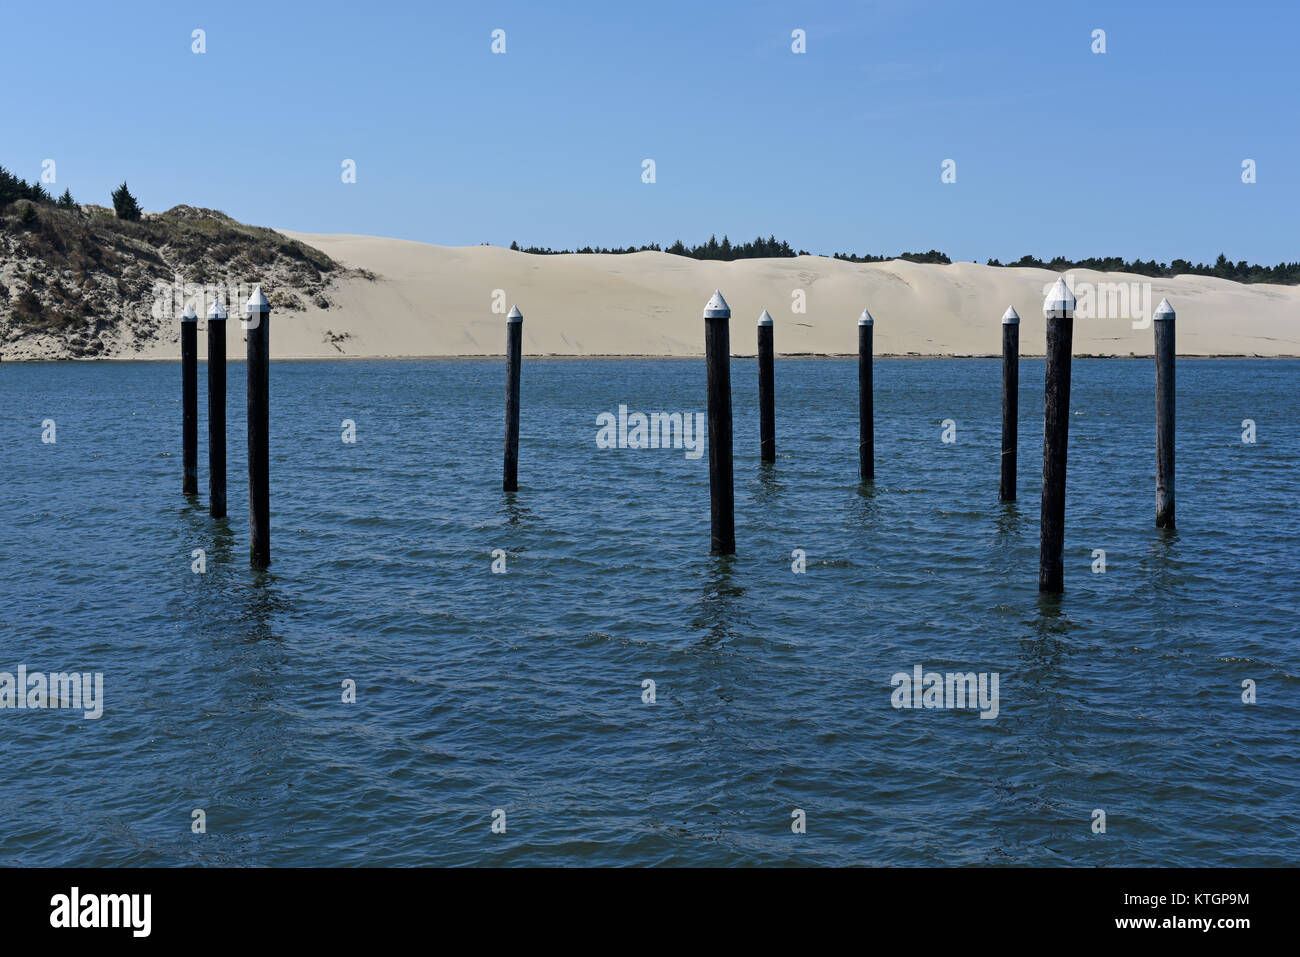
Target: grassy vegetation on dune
(86,277)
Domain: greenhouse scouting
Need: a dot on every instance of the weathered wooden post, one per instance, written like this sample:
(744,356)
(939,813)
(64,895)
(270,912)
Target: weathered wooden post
(189,401)
(866,401)
(258,326)
(217,410)
(717,365)
(1164,332)
(514,348)
(766,389)
(1058,308)
(1010,402)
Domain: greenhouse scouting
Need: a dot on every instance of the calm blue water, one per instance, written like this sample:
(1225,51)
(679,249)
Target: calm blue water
(522,691)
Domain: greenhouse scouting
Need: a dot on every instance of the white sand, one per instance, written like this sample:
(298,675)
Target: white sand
(438,301)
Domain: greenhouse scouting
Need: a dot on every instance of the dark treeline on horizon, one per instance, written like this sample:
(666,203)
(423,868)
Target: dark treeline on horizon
(13,189)
(1284,273)
(760,248)
(725,251)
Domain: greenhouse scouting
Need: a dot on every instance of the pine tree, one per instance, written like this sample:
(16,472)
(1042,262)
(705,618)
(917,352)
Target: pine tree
(9,187)
(66,201)
(125,205)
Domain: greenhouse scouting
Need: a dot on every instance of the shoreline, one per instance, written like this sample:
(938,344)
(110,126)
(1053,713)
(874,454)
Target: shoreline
(230,359)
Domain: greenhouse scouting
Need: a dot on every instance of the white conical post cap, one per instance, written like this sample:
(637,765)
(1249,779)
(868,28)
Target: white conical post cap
(1164,310)
(515,315)
(865,319)
(189,315)
(764,318)
(217,310)
(716,307)
(257,302)
(1060,302)
(1011,317)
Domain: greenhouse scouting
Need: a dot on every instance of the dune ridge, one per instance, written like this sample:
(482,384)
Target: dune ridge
(427,300)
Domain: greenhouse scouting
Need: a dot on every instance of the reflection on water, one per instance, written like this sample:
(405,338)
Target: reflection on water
(1051,631)
(719,607)
(864,503)
(1012,523)
(222,537)
(1163,566)
(770,486)
(262,603)
(516,508)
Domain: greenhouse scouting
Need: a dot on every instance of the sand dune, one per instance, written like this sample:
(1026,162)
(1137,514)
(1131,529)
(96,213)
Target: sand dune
(438,301)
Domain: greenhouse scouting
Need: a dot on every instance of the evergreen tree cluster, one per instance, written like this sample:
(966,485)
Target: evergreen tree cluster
(13,189)
(548,251)
(933,256)
(1283,273)
(724,251)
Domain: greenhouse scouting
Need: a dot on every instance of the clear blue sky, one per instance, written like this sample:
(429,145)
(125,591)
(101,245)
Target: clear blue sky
(1134,152)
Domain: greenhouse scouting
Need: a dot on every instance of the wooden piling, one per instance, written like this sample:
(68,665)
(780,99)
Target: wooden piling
(514,349)
(866,400)
(766,389)
(1164,335)
(1058,308)
(217,410)
(717,363)
(189,401)
(1010,403)
(258,326)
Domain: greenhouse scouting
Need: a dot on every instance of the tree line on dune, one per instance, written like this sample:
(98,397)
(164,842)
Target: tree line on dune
(1284,273)
(13,189)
